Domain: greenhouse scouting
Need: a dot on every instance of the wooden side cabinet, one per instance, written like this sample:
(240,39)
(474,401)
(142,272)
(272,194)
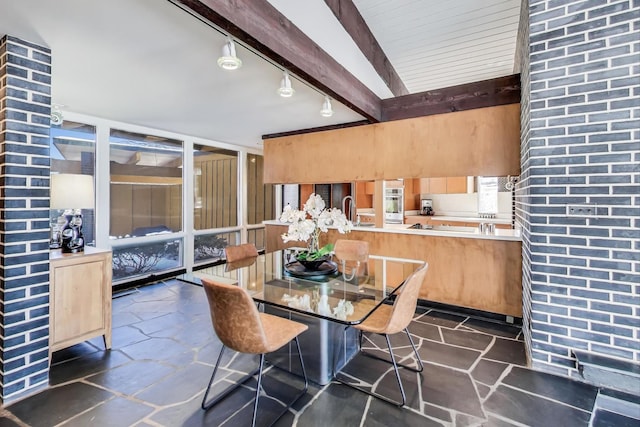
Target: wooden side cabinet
(80,297)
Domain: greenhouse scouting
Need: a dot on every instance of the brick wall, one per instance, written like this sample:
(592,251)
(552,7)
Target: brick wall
(522,194)
(25,88)
(581,145)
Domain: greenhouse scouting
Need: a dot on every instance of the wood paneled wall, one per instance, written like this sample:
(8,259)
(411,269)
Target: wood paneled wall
(260,197)
(484,141)
(144,205)
(217,187)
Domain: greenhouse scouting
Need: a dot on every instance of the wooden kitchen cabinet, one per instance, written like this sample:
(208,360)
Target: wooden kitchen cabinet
(80,297)
(456,184)
(437,185)
(448,185)
(479,142)
(369,187)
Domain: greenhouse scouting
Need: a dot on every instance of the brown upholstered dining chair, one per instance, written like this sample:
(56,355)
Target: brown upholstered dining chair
(391,319)
(239,252)
(241,327)
(352,257)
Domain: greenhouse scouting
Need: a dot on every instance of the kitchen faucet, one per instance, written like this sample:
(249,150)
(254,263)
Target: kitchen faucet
(352,209)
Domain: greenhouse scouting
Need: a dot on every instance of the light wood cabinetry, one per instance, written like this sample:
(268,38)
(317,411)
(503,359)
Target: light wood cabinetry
(456,184)
(437,185)
(369,187)
(80,295)
(446,185)
(480,142)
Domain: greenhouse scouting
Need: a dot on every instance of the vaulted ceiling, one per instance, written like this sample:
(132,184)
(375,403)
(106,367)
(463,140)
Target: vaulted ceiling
(153,63)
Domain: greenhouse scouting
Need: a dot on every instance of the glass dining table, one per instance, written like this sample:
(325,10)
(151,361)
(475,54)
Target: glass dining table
(326,299)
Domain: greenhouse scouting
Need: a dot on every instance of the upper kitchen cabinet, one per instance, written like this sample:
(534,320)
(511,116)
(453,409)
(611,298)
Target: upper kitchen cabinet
(440,185)
(332,156)
(364,194)
(484,141)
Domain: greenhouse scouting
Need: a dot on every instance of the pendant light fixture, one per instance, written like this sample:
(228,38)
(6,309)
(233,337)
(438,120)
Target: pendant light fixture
(285,90)
(229,60)
(326,110)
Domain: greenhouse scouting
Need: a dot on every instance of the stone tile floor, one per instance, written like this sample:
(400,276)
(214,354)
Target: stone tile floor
(164,349)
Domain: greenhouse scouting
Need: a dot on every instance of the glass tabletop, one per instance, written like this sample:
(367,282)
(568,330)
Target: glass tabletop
(278,280)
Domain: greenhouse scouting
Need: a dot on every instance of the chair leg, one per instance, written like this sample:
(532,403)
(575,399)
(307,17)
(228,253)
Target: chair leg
(395,370)
(413,346)
(255,404)
(304,372)
(410,368)
(205,405)
(297,396)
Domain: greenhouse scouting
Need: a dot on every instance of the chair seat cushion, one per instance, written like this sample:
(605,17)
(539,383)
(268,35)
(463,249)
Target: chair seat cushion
(378,320)
(279,331)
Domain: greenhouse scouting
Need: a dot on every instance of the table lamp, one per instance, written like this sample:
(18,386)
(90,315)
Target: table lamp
(70,192)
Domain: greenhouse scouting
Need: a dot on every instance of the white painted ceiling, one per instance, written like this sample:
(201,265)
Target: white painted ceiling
(434,44)
(149,63)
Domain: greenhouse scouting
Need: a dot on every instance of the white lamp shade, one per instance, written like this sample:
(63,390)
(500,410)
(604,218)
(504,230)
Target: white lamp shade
(71,191)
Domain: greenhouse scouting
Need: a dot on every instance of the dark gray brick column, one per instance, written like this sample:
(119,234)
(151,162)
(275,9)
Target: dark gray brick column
(581,147)
(522,186)
(25,104)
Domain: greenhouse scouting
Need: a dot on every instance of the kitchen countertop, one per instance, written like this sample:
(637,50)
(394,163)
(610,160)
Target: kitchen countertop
(465,218)
(441,231)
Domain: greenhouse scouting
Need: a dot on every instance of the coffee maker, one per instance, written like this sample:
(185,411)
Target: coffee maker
(426,207)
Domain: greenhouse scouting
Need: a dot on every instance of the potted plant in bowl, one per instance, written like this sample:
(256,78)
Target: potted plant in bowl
(306,225)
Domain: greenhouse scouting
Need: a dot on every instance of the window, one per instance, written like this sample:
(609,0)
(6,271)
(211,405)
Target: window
(146,185)
(73,151)
(215,204)
(142,259)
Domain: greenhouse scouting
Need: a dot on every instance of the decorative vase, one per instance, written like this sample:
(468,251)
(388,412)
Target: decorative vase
(313,247)
(311,264)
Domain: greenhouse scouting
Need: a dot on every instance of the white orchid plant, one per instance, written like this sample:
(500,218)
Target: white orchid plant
(306,225)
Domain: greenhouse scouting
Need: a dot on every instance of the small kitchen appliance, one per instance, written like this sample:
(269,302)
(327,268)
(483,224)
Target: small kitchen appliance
(426,207)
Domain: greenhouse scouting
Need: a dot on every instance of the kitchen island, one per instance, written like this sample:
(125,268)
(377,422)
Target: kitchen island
(467,268)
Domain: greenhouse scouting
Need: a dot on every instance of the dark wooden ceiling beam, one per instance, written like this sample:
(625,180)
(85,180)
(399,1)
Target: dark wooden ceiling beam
(486,93)
(258,24)
(350,18)
(315,129)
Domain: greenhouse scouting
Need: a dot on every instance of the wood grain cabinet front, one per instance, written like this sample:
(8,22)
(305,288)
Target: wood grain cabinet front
(80,287)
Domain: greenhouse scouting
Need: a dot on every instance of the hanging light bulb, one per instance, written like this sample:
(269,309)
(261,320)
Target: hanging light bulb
(229,60)
(285,90)
(326,110)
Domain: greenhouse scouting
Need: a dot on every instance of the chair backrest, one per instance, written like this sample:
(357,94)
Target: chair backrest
(238,252)
(352,254)
(404,307)
(235,317)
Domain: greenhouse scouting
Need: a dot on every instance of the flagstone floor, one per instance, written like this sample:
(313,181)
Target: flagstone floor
(164,350)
